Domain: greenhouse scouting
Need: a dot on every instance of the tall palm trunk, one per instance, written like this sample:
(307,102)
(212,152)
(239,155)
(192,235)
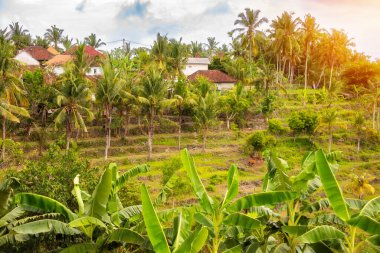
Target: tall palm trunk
(305,74)
(358,145)
(3,144)
(331,73)
(108,130)
(126,123)
(68,132)
(150,133)
(179,130)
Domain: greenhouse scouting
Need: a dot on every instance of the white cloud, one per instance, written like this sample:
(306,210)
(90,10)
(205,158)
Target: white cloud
(190,19)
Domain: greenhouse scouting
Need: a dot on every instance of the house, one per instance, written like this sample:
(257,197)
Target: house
(52,50)
(221,79)
(33,56)
(195,64)
(58,62)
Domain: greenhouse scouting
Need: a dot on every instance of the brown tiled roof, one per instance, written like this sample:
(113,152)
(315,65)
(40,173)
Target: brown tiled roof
(60,59)
(52,50)
(215,76)
(90,51)
(38,53)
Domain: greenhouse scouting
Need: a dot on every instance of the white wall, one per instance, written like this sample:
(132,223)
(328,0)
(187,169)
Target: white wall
(58,70)
(94,71)
(225,86)
(192,68)
(27,59)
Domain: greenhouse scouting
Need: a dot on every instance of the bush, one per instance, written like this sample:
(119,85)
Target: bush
(53,175)
(13,152)
(275,126)
(259,141)
(303,122)
(169,168)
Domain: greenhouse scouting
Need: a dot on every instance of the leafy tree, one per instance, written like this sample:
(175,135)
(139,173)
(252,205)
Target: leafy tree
(235,103)
(11,91)
(196,49)
(359,124)
(303,122)
(67,42)
(93,41)
(268,105)
(54,35)
(41,41)
(72,95)
(211,45)
(159,51)
(108,91)
(153,98)
(176,58)
(20,36)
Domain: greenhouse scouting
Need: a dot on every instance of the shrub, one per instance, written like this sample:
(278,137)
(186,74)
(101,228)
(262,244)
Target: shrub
(169,168)
(259,141)
(275,126)
(53,175)
(303,122)
(13,151)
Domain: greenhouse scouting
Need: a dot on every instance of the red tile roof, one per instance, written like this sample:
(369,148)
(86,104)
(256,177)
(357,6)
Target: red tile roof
(215,76)
(90,51)
(38,53)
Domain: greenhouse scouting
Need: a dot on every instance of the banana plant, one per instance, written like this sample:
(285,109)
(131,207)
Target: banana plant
(100,216)
(183,240)
(225,217)
(366,219)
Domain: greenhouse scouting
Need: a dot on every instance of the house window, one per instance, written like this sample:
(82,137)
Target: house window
(94,71)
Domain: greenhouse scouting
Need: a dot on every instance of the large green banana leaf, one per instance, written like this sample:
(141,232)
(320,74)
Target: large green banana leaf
(188,162)
(232,185)
(321,233)
(81,248)
(121,180)
(44,204)
(125,236)
(242,220)
(152,224)
(12,215)
(372,208)
(261,199)
(97,206)
(182,228)
(194,243)
(366,223)
(331,187)
(46,226)
(13,238)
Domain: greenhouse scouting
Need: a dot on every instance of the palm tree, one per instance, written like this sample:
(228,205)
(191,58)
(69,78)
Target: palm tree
(72,96)
(205,115)
(153,98)
(310,32)
(93,41)
(211,45)
(334,50)
(41,41)
(195,49)
(285,33)
(177,56)
(11,92)
(358,124)
(108,92)
(54,35)
(330,117)
(19,35)
(159,50)
(67,42)
(182,98)
(249,22)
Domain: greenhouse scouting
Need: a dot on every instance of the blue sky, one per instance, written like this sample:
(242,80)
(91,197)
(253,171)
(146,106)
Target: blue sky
(140,20)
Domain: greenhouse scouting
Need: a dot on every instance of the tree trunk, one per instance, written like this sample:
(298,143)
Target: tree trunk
(126,123)
(330,138)
(374,115)
(358,145)
(68,133)
(150,134)
(331,72)
(228,123)
(108,131)
(3,144)
(179,130)
(306,63)
(320,77)
(277,68)
(204,140)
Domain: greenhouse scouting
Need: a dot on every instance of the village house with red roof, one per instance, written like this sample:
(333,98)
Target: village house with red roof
(33,56)
(221,79)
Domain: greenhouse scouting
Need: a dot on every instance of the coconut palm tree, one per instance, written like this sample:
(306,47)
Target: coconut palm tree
(212,46)
(195,49)
(248,23)
(329,117)
(359,124)
(159,50)
(108,91)
(153,98)
(93,41)
(182,97)
(19,35)
(41,41)
(285,33)
(176,57)
(54,35)
(67,42)
(72,96)
(11,92)
(310,32)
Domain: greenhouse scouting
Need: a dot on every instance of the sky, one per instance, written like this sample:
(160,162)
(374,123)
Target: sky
(139,21)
